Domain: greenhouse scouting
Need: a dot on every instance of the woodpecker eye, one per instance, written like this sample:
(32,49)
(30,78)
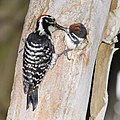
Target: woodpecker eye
(50,20)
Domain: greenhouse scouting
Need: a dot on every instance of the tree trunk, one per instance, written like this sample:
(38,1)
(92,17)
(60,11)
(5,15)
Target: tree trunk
(99,99)
(65,90)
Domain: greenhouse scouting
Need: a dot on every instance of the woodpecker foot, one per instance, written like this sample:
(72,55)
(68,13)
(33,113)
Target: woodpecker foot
(65,52)
(23,40)
(20,50)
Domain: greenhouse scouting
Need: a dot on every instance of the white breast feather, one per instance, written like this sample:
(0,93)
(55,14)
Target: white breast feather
(69,42)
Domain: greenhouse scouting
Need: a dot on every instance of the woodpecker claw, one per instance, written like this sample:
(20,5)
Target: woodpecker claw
(20,50)
(23,40)
(65,52)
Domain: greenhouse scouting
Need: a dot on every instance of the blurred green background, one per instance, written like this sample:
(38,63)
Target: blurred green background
(12,14)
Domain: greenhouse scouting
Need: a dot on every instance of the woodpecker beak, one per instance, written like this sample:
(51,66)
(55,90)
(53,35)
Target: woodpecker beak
(61,27)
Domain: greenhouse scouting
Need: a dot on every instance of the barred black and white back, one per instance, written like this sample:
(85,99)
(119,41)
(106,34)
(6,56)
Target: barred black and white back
(37,57)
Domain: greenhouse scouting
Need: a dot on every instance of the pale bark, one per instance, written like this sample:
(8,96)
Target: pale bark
(99,99)
(64,93)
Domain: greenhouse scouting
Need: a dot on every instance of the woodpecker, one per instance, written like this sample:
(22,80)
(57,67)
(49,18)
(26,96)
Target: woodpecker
(75,37)
(38,56)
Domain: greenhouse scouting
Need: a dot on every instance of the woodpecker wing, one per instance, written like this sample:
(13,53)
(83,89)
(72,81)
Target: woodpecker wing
(37,57)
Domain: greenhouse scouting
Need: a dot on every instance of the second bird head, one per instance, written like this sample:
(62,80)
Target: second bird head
(76,28)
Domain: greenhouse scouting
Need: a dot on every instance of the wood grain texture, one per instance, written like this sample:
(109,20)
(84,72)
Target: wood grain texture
(64,93)
(99,100)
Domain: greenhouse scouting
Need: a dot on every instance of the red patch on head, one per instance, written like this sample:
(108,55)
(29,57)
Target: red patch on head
(41,16)
(75,28)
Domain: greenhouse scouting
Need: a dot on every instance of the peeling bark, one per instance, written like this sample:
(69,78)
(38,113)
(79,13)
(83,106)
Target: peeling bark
(64,92)
(99,99)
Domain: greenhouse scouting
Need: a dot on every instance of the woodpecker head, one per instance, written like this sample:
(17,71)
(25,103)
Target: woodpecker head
(46,24)
(77,28)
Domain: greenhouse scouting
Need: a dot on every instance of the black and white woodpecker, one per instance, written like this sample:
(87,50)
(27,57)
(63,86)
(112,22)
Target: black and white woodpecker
(39,55)
(75,37)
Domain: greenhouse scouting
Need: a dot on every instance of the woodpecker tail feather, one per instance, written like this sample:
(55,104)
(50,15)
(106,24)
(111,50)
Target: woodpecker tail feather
(33,99)
(32,94)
